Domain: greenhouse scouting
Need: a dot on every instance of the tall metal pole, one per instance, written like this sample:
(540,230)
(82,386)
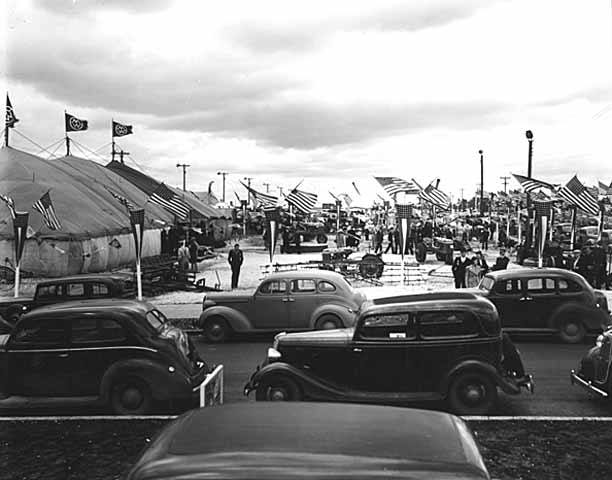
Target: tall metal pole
(248,180)
(223,174)
(481,183)
(184,166)
(267,185)
(531,225)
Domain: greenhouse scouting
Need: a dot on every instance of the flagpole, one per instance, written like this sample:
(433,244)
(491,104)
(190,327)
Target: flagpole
(404,226)
(573,229)
(6,127)
(112,140)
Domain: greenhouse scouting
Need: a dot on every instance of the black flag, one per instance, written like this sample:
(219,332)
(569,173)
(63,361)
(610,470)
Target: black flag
(120,130)
(74,124)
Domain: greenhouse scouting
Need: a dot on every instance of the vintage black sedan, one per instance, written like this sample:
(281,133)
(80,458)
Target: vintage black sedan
(595,371)
(546,300)
(435,346)
(312,440)
(114,352)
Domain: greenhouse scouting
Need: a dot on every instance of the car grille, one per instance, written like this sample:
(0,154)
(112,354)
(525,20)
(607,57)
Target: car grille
(603,360)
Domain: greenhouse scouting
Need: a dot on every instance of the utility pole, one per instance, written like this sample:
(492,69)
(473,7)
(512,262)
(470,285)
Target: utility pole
(481,183)
(248,180)
(184,166)
(267,185)
(505,181)
(529,236)
(223,174)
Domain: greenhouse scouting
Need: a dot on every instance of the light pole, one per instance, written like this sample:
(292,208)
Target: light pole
(184,166)
(248,180)
(481,183)
(223,174)
(529,235)
(267,185)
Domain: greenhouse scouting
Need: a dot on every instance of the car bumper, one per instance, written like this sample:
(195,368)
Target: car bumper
(576,379)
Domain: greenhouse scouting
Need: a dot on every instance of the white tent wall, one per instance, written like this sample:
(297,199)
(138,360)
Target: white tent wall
(56,258)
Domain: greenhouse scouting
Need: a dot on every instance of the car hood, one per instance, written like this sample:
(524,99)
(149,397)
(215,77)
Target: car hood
(337,337)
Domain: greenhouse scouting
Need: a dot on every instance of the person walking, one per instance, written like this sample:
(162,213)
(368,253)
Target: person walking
(235,259)
(378,241)
(473,274)
(599,265)
(484,238)
(391,240)
(183,257)
(193,254)
(459,265)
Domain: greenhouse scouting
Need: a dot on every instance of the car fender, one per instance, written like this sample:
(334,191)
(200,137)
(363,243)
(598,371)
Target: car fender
(591,317)
(237,320)
(340,311)
(481,366)
(163,384)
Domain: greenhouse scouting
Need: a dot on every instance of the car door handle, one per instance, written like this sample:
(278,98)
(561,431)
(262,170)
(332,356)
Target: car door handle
(357,350)
(288,299)
(63,355)
(525,299)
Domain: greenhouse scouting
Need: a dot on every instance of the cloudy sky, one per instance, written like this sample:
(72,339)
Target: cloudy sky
(324,92)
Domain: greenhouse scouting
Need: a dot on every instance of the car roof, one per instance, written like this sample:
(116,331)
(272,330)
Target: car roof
(427,296)
(526,272)
(87,277)
(410,439)
(310,273)
(92,306)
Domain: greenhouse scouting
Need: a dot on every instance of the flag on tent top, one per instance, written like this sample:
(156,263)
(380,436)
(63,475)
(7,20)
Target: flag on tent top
(435,196)
(531,184)
(10,118)
(10,204)
(575,193)
(45,207)
(124,201)
(263,200)
(169,200)
(302,201)
(393,185)
(120,130)
(74,124)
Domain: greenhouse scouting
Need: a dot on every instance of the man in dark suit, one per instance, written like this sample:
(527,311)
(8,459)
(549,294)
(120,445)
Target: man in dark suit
(458,268)
(235,259)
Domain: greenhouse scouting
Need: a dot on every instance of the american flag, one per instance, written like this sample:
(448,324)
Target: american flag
(393,185)
(45,207)
(10,204)
(403,211)
(263,200)
(575,193)
(435,196)
(531,184)
(169,200)
(302,201)
(124,201)
(542,208)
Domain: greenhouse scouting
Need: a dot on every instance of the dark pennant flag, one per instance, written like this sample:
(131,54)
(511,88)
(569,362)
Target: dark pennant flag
(169,200)
(120,130)
(10,118)
(74,124)
(45,207)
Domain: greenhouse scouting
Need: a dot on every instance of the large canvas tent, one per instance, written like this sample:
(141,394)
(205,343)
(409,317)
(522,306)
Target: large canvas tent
(95,230)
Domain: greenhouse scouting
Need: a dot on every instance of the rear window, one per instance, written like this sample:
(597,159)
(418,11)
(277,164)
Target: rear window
(96,330)
(568,285)
(273,286)
(448,324)
(156,319)
(391,326)
(326,287)
(486,283)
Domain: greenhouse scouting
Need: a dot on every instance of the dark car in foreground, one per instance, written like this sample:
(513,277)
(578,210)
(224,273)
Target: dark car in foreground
(312,440)
(118,353)
(296,300)
(546,300)
(595,371)
(68,289)
(444,346)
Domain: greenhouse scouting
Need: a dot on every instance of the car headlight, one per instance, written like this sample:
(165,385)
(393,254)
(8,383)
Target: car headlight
(273,354)
(599,341)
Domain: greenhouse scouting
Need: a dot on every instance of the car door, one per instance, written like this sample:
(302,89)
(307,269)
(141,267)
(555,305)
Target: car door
(383,356)
(96,343)
(37,358)
(508,297)
(271,305)
(542,298)
(303,299)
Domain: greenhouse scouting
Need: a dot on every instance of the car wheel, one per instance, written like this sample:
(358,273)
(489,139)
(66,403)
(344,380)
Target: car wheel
(571,330)
(131,396)
(216,330)
(472,393)
(278,389)
(328,322)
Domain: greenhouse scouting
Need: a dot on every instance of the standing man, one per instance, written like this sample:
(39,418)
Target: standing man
(458,268)
(235,259)
(599,265)
(501,263)
(193,254)
(484,238)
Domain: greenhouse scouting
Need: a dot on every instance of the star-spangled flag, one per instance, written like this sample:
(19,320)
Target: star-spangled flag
(263,200)
(393,185)
(45,207)
(124,201)
(121,130)
(302,201)
(169,200)
(10,203)
(403,211)
(531,184)
(435,196)
(74,124)
(10,119)
(542,208)
(576,194)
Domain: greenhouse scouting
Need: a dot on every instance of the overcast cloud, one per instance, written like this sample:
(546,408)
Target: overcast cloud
(281,91)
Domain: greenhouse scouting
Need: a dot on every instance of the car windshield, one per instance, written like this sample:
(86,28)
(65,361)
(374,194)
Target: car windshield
(157,320)
(486,284)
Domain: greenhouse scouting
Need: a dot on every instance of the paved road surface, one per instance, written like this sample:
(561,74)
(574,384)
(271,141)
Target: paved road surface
(548,361)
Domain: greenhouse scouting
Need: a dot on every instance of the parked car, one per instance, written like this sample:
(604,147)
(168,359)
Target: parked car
(296,300)
(594,373)
(434,346)
(312,440)
(115,352)
(66,289)
(546,300)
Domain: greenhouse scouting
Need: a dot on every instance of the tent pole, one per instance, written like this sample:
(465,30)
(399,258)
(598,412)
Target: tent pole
(17,280)
(139,280)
